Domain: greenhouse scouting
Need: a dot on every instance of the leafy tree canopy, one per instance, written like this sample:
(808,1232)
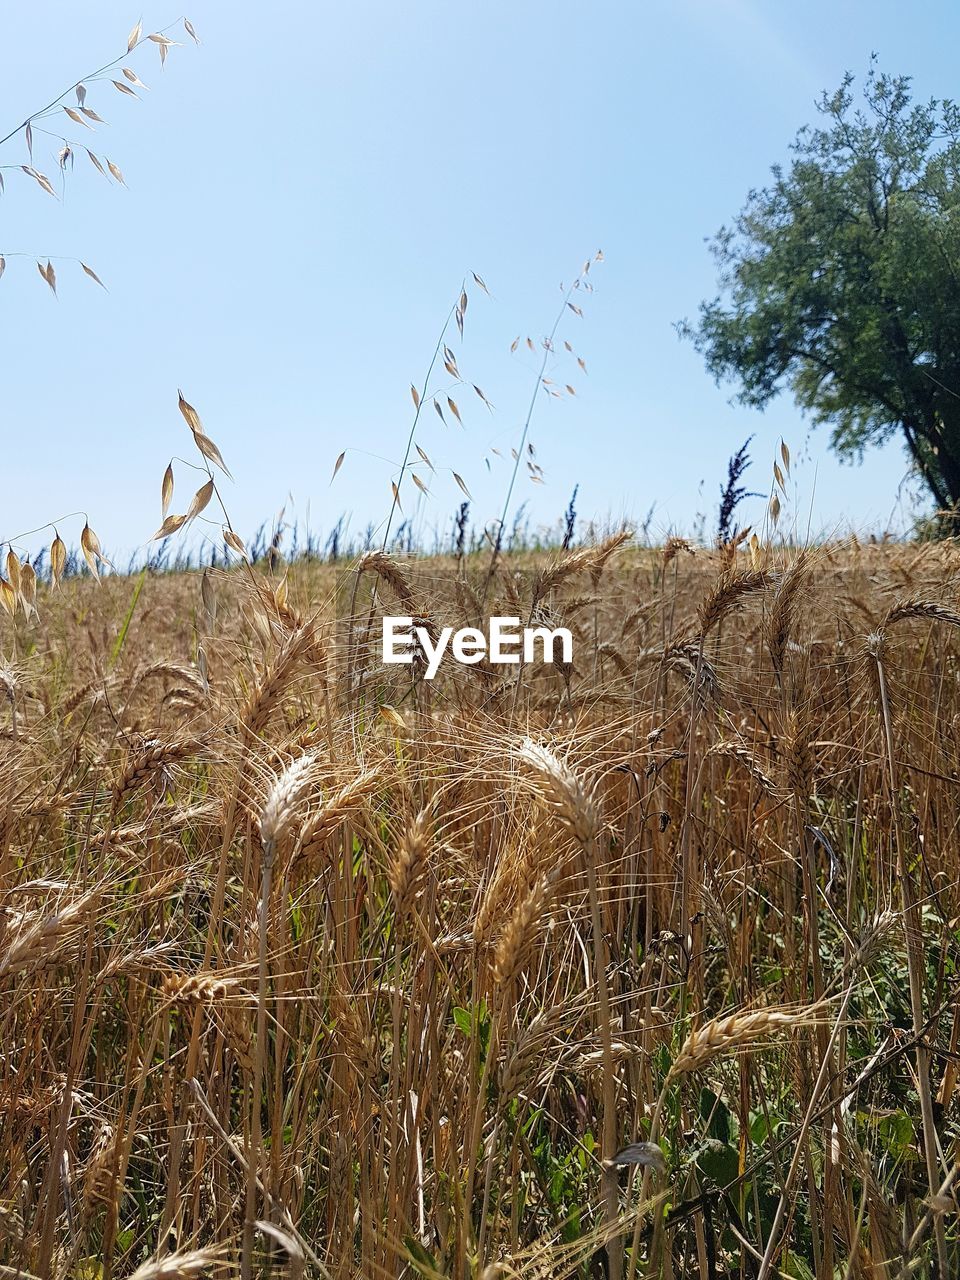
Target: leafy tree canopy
(840,280)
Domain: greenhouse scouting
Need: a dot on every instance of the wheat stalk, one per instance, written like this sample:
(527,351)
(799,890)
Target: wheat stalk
(180,1266)
(736,1031)
(410,863)
(570,801)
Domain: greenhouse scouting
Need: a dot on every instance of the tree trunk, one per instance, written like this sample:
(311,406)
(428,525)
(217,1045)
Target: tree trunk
(942,437)
(925,459)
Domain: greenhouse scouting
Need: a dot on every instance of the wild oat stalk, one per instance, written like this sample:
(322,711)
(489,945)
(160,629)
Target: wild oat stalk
(548,350)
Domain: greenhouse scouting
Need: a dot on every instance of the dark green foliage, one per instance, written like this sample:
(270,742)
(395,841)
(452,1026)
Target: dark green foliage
(840,280)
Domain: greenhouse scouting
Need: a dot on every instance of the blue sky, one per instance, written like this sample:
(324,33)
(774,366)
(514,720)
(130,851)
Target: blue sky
(305,192)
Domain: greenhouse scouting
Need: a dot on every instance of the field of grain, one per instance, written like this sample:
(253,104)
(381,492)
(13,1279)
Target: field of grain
(640,966)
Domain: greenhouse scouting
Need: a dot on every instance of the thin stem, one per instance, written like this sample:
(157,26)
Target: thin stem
(800,1150)
(547,352)
(35,115)
(416,417)
(913,936)
(609,1142)
(253,1164)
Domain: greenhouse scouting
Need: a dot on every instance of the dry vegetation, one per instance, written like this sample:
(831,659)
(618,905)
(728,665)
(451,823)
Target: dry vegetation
(643,967)
(640,966)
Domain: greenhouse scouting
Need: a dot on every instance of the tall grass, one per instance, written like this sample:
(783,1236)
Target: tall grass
(643,966)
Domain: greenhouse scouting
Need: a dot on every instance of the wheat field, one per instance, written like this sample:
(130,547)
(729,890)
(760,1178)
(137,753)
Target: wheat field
(644,965)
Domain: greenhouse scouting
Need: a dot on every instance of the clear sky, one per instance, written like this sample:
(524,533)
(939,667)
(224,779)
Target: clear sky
(305,192)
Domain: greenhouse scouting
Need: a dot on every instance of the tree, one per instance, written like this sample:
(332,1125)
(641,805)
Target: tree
(840,281)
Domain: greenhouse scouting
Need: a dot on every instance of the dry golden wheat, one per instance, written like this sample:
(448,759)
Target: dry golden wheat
(285,950)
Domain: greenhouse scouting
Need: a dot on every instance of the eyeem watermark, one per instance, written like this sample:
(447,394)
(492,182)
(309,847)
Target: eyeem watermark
(506,643)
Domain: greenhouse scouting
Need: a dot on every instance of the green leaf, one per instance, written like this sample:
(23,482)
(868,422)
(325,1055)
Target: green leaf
(719,1162)
(422,1261)
(717,1114)
(763,1126)
(793,1265)
(118,646)
(463,1020)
